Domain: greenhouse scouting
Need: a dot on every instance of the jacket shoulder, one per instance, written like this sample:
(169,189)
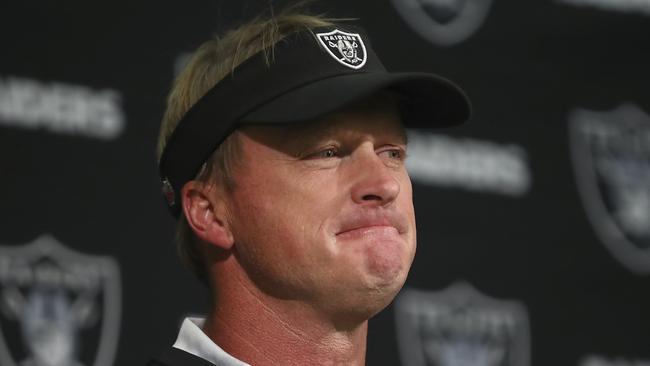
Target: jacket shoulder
(177,357)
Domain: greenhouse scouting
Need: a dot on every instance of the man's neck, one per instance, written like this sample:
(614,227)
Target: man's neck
(262,331)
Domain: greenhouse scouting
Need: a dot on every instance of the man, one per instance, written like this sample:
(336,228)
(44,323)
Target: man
(282,153)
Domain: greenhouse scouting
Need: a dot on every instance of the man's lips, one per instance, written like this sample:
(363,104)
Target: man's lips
(370,231)
(372,223)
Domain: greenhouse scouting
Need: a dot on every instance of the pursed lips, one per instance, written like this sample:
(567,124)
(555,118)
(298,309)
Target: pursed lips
(369,222)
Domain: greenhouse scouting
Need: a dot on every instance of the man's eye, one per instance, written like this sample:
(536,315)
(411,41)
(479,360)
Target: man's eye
(325,153)
(329,153)
(394,154)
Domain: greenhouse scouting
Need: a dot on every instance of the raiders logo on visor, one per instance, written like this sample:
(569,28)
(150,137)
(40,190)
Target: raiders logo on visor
(346,48)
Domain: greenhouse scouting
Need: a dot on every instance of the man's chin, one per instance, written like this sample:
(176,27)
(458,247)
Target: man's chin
(381,289)
(365,305)
(386,265)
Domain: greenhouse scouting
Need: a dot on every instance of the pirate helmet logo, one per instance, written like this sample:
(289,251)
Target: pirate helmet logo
(611,160)
(57,307)
(346,48)
(460,326)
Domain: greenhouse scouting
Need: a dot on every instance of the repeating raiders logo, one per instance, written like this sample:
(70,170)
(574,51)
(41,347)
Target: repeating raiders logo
(461,327)
(57,307)
(346,48)
(611,159)
(444,22)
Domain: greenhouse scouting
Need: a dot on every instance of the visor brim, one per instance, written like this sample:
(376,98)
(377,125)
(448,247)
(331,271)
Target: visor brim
(429,101)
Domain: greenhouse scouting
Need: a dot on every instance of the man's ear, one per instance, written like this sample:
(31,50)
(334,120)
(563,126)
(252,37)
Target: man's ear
(205,210)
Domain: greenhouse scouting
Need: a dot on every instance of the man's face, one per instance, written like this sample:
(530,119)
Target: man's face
(323,213)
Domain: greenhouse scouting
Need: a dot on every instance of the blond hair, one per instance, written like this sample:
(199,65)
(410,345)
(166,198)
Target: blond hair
(211,62)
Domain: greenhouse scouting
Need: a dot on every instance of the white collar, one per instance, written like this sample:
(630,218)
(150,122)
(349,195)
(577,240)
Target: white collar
(191,339)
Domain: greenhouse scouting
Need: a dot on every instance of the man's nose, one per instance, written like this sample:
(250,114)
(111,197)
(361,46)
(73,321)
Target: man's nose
(375,183)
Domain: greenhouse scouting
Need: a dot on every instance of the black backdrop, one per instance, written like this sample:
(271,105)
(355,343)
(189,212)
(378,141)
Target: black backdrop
(533,218)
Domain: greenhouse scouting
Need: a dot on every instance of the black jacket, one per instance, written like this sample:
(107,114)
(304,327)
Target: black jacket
(177,357)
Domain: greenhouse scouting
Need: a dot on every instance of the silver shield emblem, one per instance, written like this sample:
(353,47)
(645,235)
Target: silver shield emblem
(346,48)
(611,160)
(58,307)
(443,22)
(459,326)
